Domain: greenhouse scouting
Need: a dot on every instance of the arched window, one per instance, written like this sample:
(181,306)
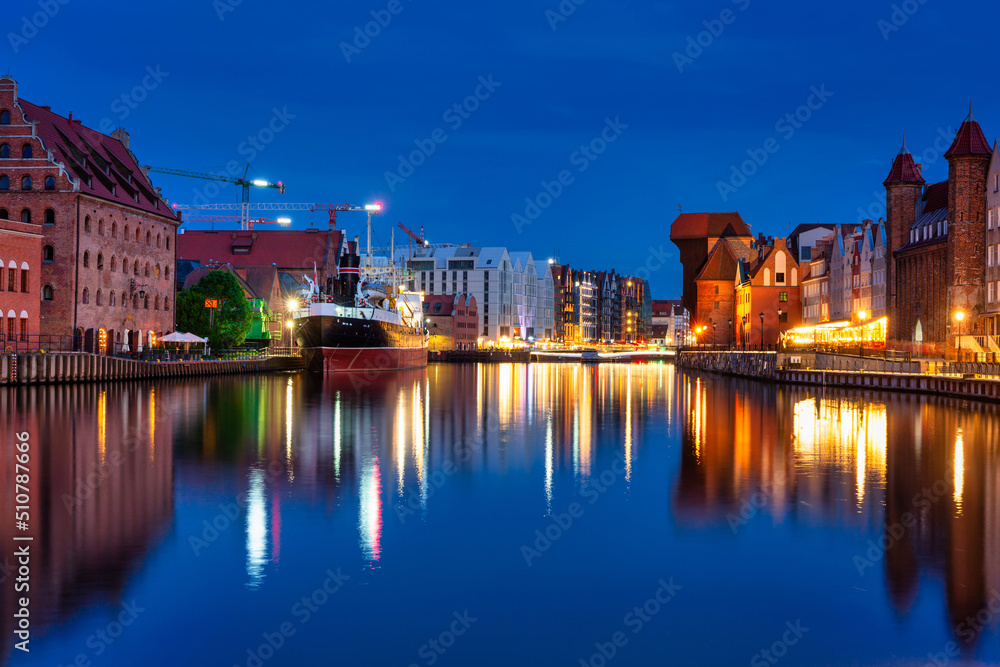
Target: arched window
(124,264)
(168,243)
(100,298)
(138,234)
(149,236)
(4,183)
(50,217)
(24,325)
(767,277)
(24,277)
(47,293)
(156,302)
(86,224)
(135,268)
(5,151)
(147,270)
(50,183)
(114,230)
(126,233)
(111,298)
(4,215)
(157,271)
(26,183)
(166,303)
(48,253)
(27,152)
(157,240)
(86,259)
(135,302)
(114,263)
(145,302)
(4,117)
(166,271)
(100,261)
(26,215)
(100,226)
(86,295)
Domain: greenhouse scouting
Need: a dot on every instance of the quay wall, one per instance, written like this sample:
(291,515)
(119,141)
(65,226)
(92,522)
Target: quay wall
(56,367)
(760,365)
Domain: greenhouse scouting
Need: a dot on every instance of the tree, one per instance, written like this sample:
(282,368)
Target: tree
(232,317)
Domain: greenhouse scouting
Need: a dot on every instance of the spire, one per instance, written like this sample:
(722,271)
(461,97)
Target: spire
(970,139)
(903,150)
(904,169)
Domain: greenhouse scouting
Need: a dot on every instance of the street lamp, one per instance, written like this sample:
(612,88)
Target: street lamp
(779,323)
(861,332)
(729,335)
(762,329)
(715,338)
(959,316)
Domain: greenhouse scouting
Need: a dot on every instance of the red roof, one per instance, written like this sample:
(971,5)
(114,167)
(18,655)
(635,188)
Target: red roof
(936,197)
(720,265)
(904,169)
(970,140)
(295,249)
(704,225)
(95,158)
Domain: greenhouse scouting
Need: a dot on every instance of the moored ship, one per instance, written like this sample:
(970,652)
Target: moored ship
(366,323)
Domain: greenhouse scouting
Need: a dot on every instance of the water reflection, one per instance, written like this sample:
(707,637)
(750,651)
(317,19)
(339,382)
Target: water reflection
(101,494)
(865,461)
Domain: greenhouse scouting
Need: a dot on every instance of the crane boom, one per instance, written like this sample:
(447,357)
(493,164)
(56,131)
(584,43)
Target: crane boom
(413,235)
(332,209)
(245,183)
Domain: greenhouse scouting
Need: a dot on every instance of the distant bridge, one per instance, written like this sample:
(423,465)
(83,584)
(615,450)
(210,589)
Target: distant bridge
(592,356)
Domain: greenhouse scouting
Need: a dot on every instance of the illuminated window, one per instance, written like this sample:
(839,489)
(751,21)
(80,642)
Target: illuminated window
(783,296)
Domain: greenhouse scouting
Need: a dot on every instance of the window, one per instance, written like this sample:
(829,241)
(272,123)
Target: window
(716,305)
(135,302)
(135,267)
(138,234)
(157,240)
(114,263)
(47,293)
(111,298)
(124,264)
(989,290)
(146,274)
(783,296)
(168,248)
(49,217)
(26,215)
(157,271)
(166,303)
(26,183)
(989,219)
(86,224)
(5,151)
(10,328)
(4,215)
(27,152)
(24,279)
(166,271)
(4,183)
(100,262)
(24,328)
(86,295)
(114,230)
(779,278)
(4,117)
(156,302)
(100,226)
(100,298)
(990,259)
(48,253)
(126,233)
(716,289)
(148,237)
(86,259)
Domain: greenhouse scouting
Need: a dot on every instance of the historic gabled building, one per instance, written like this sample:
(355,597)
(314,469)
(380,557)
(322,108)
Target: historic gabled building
(937,237)
(107,247)
(696,235)
(767,302)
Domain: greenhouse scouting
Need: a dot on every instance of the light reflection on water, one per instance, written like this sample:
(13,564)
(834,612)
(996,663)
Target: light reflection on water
(423,485)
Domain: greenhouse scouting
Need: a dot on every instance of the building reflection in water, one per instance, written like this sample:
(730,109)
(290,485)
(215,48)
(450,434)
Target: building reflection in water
(858,460)
(101,466)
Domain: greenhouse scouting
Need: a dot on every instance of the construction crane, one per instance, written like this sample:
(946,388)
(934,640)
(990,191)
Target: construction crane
(224,219)
(245,183)
(420,241)
(332,209)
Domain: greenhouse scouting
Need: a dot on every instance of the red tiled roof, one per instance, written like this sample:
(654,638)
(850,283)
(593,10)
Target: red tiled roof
(904,169)
(936,196)
(720,265)
(970,140)
(447,302)
(287,248)
(702,225)
(87,154)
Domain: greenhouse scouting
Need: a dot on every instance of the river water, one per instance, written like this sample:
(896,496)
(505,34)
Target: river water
(501,515)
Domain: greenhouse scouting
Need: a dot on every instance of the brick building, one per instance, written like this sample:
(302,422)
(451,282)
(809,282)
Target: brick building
(20,283)
(696,235)
(714,284)
(452,321)
(767,300)
(107,247)
(937,238)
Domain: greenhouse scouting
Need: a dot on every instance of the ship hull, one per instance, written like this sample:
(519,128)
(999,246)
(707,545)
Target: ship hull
(333,344)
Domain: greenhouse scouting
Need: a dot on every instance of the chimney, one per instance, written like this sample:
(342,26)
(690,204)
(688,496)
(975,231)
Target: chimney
(121,135)
(918,166)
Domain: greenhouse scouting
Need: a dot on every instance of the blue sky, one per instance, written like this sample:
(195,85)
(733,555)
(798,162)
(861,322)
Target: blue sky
(556,79)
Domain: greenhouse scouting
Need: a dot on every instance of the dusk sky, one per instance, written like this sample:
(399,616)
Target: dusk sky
(683,114)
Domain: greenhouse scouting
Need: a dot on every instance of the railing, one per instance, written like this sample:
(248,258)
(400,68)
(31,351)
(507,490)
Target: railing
(41,342)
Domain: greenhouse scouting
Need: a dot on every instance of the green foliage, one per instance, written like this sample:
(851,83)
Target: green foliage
(232,317)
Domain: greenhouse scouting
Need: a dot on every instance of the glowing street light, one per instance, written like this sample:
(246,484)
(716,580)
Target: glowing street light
(374,208)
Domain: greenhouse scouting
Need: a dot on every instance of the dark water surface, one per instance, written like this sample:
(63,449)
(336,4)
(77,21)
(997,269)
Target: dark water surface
(503,515)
